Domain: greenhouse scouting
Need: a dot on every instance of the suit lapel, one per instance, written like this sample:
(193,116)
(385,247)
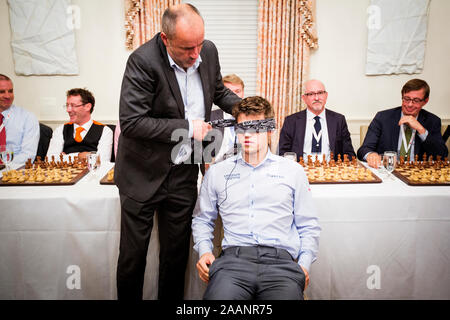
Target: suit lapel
(205,81)
(301,124)
(331,126)
(171,78)
(396,131)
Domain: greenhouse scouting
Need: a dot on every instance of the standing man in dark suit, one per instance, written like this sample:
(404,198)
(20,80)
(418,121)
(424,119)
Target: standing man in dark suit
(168,88)
(409,130)
(316,129)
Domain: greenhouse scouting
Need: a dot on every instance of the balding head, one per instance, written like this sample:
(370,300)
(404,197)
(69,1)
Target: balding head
(315,96)
(184,13)
(183,34)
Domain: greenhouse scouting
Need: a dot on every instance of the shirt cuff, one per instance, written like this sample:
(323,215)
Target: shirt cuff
(204,246)
(305,261)
(191,128)
(424,135)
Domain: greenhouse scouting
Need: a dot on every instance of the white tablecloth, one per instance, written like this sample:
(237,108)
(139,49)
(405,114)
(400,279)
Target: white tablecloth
(378,241)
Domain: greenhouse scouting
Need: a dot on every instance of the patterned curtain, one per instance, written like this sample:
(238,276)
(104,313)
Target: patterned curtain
(285,36)
(143,20)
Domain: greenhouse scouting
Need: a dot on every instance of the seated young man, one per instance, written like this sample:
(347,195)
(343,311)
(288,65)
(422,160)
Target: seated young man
(81,135)
(271,231)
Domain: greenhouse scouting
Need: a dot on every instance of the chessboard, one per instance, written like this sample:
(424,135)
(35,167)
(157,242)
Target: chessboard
(108,178)
(337,172)
(427,172)
(46,173)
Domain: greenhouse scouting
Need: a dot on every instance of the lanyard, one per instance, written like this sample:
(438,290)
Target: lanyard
(411,141)
(316,135)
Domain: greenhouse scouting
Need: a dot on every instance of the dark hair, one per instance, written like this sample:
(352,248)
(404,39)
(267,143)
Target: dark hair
(86,96)
(253,105)
(4,78)
(416,84)
(171,15)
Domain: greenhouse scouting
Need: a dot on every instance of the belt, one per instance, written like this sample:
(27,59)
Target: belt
(258,252)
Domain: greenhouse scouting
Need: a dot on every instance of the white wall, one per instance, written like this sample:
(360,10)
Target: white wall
(101,57)
(339,63)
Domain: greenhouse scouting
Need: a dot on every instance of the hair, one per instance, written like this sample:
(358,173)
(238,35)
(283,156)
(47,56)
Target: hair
(172,14)
(4,78)
(252,106)
(86,96)
(416,84)
(233,79)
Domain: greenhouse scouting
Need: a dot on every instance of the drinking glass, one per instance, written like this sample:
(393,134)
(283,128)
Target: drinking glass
(390,162)
(7,157)
(93,162)
(290,155)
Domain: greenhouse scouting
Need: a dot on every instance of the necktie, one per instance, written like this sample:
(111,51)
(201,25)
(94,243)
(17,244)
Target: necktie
(78,137)
(317,145)
(408,133)
(2,133)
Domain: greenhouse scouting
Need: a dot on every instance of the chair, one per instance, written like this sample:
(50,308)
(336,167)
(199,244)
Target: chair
(362,133)
(46,134)
(445,130)
(113,128)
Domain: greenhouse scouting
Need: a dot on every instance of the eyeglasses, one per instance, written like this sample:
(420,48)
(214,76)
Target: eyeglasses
(66,106)
(311,94)
(415,100)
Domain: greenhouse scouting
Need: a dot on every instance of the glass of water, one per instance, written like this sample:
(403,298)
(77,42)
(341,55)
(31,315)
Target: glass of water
(389,161)
(93,162)
(6,156)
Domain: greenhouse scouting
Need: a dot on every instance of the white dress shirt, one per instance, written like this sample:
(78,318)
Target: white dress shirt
(191,89)
(104,146)
(307,144)
(270,205)
(22,134)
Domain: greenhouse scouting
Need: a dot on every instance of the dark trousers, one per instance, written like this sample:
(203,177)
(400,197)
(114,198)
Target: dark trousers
(255,273)
(174,202)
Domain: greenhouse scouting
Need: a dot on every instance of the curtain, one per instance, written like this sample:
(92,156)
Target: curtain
(143,20)
(285,36)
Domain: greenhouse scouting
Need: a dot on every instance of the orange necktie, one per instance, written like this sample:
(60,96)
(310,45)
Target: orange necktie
(78,137)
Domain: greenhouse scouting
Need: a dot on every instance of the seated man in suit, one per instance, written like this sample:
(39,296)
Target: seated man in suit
(316,130)
(235,84)
(409,130)
(81,135)
(271,230)
(19,128)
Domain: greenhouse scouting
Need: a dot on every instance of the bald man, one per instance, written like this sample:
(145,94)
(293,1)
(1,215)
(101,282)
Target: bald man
(316,130)
(168,89)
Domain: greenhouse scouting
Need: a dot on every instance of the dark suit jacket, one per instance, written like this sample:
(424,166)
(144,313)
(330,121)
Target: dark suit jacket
(383,134)
(151,108)
(292,134)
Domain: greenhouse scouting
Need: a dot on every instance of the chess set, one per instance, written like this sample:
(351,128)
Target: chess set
(46,173)
(337,172)
(427,172)
(108,177)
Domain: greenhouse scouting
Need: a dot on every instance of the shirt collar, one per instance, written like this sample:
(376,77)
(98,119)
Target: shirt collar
(7,112)
(175,66)
(85,126)
(310,115)
(270,157)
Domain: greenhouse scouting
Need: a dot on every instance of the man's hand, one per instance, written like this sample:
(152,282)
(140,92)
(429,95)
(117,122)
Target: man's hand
(413,123)
(83,155)
(201,129)
(306,277)
(203,266)
(373,160)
